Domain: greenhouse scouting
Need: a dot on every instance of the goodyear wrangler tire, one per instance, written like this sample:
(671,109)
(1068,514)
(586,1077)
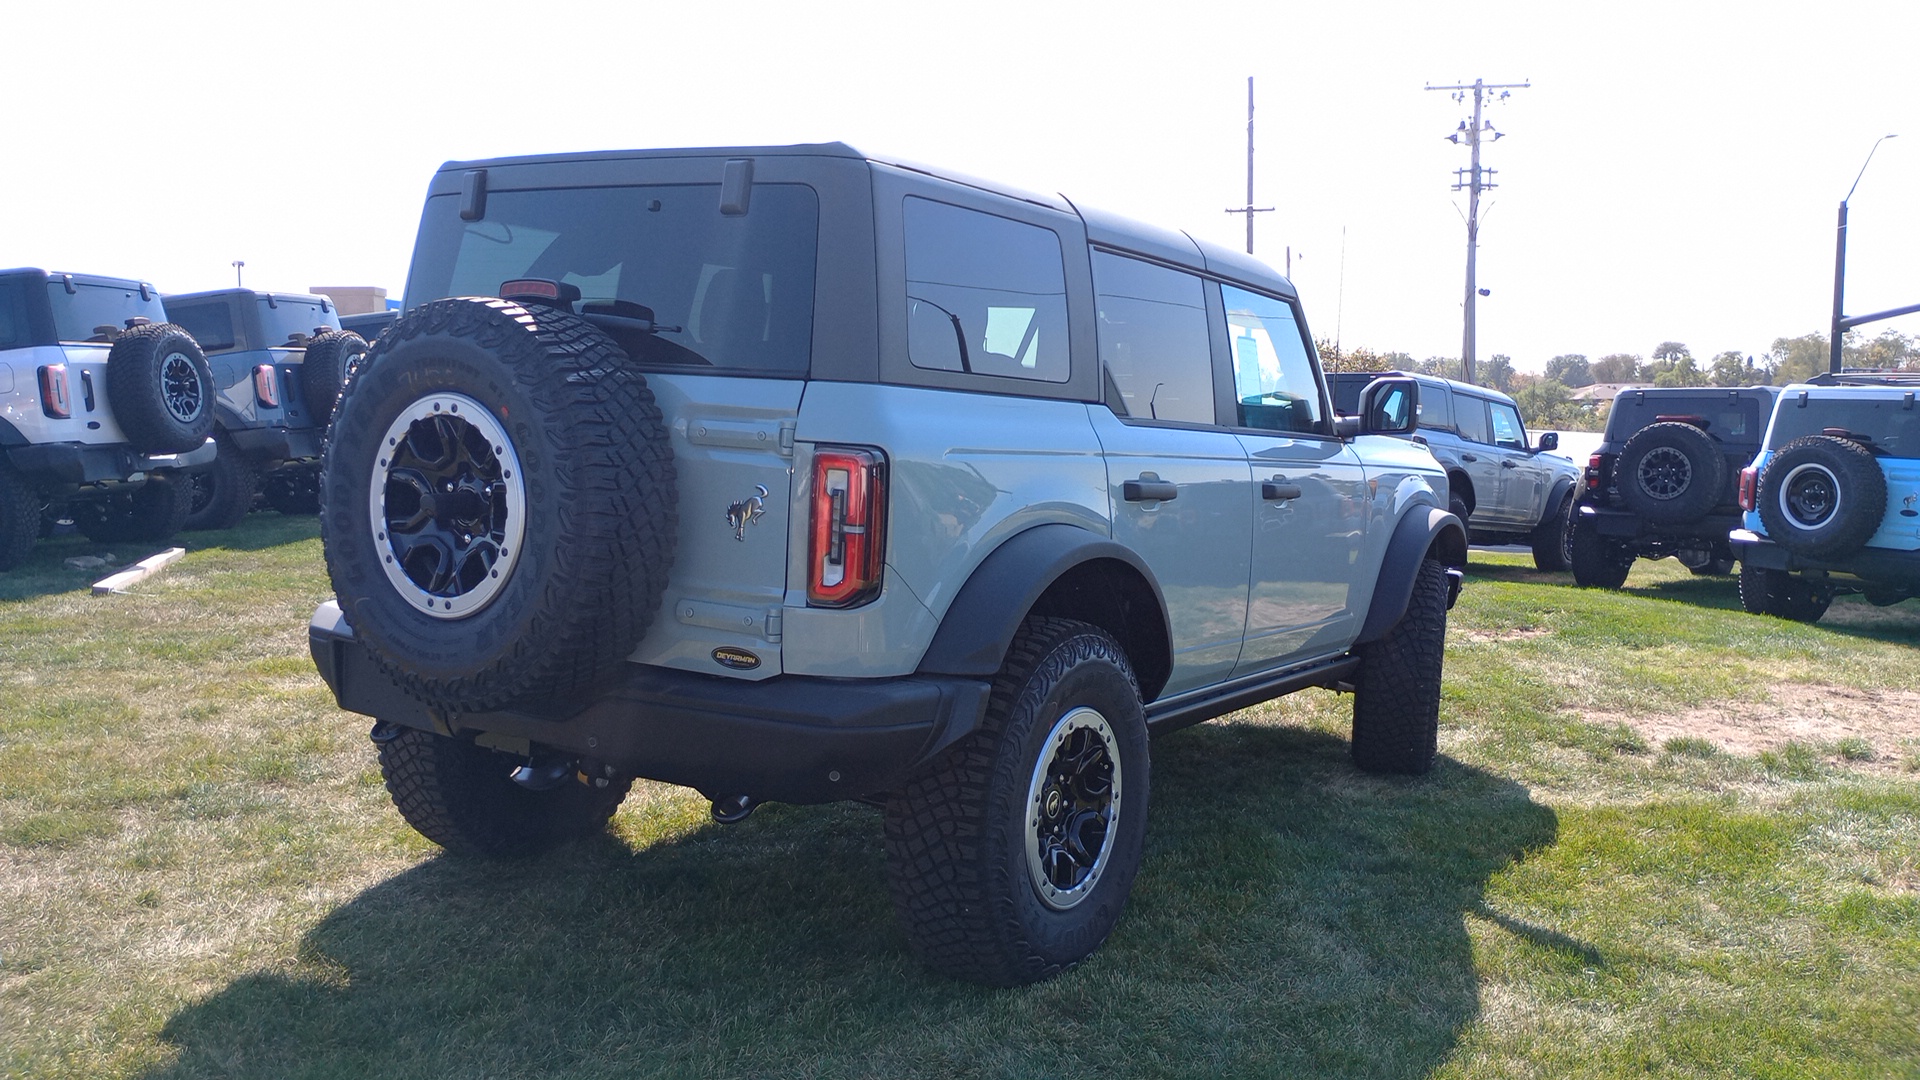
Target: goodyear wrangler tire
(1552,539)
(1822,497)
(497,504)
(323,370)
(1011,857)
(460,796)
(223,491)
(1671,472)
(161,389)
(20,517)
(1396,691)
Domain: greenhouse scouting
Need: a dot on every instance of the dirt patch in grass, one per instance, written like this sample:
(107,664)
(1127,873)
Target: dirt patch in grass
(1516,633)
(1869,730)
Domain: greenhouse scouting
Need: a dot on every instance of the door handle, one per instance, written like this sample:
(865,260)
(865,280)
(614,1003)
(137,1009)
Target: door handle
(1273,490)
(1508,465)
(1149,491)
(1468,457)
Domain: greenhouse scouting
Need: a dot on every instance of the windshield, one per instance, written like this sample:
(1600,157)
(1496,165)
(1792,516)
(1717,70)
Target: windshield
(731,291)
(80,314)
(1891,423)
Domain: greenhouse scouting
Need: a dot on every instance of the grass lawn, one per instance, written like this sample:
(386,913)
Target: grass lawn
(1665,838)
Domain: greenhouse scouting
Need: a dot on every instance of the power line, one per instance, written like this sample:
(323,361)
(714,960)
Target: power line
(1474,180)
(1250,209)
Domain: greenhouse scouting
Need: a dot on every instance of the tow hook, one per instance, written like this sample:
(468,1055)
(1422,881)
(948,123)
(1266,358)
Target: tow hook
(383,732)
(545,773)
(733,809)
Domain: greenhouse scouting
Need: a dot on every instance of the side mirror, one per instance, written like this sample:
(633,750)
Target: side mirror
(1550,441)
(1390,407)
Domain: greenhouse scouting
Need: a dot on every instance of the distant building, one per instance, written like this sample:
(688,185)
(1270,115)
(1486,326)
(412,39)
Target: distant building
(353,299)
(1602,393)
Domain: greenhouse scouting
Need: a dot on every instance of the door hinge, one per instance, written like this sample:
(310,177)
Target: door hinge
(774,619)
(786,438)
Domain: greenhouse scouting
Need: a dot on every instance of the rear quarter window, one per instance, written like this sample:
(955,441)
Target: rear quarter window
(985,294)
(210,324)
(16,331)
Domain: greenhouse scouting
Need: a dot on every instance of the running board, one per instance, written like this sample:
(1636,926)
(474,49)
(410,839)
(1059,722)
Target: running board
(1172,714)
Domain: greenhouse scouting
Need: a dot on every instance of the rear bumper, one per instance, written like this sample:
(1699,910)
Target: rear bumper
(278,443)
(1616,524)
(1868,564)
(84,463)
(789,738)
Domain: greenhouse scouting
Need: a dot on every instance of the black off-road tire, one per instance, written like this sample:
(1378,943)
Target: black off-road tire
(223,491)
(20,517)
(459,796)
(1782,595)
(293,490)
(958,835)
(1822,497)
(587,558)
(149,514)
(1671,473)
(1597,562)
(1553,538)
(323,371)
(1718,566)
(161,389)
(1396,691)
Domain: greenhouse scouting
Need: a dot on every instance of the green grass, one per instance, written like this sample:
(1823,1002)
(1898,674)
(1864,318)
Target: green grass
(200,875)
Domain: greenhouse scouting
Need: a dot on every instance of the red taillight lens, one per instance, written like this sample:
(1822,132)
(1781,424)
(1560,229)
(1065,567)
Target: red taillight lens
(55,400)
(1593,473)
(266,385)
(1749,488)
(848,546)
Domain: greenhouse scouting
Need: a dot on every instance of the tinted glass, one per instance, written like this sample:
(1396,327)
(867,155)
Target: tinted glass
(210,324)
(1894,427)
(1470,415)
(15,331)
(1507,429)
(1275,387)
(78,316)
(283,319)
(728,291)
(1153,339)
(997,286)
(1436,405)
(1731,420)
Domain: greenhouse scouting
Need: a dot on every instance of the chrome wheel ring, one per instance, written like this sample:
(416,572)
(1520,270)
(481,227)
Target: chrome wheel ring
(447,505)
(1073,808)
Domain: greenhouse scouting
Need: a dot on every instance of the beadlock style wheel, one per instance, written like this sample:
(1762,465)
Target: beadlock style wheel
(447,505)
(1073,803)
(1810,496)
(180,388)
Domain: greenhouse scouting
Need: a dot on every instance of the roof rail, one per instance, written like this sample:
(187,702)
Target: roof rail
(1866,377)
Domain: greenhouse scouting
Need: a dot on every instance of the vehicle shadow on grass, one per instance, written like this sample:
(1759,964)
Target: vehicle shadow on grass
(1293,918)
(44,571)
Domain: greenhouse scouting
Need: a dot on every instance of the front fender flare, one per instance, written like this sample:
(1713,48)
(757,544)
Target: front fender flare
(1420,530)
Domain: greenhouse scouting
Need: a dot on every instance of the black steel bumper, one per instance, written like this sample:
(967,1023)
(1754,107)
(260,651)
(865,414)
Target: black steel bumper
(788,738)
(87,463)
(1627,525)
(1877,565)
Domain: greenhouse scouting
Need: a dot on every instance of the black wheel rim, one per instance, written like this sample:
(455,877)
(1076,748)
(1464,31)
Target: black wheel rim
(1073,808)
(1665,473)
(447,506)
(1810,496)
(180,388)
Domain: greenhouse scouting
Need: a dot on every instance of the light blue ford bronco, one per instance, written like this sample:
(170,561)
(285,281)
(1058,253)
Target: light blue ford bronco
(791,473)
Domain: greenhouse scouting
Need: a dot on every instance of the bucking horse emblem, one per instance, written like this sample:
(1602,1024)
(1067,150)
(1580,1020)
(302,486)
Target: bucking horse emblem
(746,512)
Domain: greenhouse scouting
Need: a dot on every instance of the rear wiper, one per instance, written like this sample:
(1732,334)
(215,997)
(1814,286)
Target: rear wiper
(626,315)
(959,333)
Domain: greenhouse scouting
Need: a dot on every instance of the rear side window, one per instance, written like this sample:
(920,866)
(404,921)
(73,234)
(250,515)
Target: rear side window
(210,324)
(95,312)
(985,294)
(1274,386)
(1153,340)
(730,291)
(1470,414)
(15,331)
(1436,406)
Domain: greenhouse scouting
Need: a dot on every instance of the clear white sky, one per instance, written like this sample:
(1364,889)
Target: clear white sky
(1673,174)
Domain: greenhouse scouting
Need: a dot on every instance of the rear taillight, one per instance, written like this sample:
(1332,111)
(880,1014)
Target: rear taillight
(1594,465)
(55,399)
(849,513)
(1749,488)
(266,385)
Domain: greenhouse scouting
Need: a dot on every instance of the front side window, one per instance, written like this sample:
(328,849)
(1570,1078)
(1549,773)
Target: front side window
(99,312)
(1153,340)
(1275,387)
(1507,431)
(986,295)
(729,291)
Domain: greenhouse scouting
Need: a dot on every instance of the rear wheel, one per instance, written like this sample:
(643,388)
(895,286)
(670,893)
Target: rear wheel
(1396,692)
(1598,563)
(1553,538)
(20,517)
(149,514)
(223,491)
(461,796)
(1782,595)
(1011,858)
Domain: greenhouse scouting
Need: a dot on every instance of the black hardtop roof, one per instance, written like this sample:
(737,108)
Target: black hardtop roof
(83,279)
(251,294)
(1103,228)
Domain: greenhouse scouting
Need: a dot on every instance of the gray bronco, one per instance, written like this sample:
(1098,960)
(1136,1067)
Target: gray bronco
(796,474)
(105,408)
(278,362)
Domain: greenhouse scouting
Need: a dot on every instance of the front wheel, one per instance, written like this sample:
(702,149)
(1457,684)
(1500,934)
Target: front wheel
(1011,857)
(1396,692)
(20,517)
(461,796)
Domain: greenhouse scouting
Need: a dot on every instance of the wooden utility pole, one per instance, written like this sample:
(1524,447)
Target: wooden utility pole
(1250,209)
(1474,180)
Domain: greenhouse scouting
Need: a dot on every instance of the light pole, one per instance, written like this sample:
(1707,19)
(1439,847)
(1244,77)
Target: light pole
(1840,265)
(239,265)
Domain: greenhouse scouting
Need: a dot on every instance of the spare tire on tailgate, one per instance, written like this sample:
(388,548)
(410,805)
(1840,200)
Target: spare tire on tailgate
(1822,496)
(330,356)
(497,503)
(1671,472)
(161,389)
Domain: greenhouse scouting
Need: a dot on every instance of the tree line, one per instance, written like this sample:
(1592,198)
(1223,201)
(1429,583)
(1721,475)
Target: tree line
(1546,399)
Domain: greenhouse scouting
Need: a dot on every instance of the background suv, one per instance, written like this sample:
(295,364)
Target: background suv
(1663,480)
(1506,491)
(1832,502)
